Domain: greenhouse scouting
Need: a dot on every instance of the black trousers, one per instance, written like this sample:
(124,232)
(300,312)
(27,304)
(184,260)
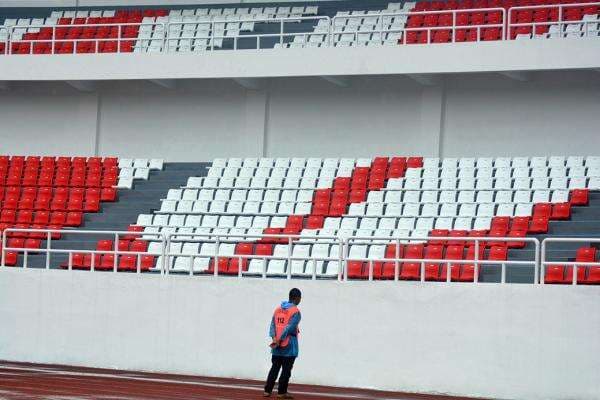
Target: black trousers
(285,364)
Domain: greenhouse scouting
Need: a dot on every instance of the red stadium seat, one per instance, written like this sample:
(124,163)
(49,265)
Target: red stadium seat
(412,270)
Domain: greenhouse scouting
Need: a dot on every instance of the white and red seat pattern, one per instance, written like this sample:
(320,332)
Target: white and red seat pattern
(384,197)
(55,192)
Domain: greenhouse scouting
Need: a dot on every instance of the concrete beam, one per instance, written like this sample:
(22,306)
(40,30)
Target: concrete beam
(82,86)
(426,79)
(340,81)
(250,83)
(165,83)
(517,76)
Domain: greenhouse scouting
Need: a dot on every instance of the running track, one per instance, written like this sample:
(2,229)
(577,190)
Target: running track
(20,381)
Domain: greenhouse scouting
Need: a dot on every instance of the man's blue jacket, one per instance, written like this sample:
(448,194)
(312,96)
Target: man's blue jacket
(291,350)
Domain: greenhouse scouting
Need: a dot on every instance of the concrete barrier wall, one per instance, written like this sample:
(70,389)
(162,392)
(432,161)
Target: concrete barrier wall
(485,340)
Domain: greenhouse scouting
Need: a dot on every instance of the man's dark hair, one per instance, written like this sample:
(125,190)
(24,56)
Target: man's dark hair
(295,293)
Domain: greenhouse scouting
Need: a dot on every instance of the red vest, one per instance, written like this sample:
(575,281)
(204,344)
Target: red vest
(282,318)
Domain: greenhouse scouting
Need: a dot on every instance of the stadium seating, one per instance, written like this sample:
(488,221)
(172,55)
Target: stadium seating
(55,192)
(208,28)
(381,197)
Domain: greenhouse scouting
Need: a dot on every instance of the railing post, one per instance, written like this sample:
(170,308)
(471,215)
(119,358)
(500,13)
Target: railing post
(370,270)
(289,259)
(542,276)
(165,254)
(2,262)
(476,269)
(281,31)
(93,261)
(25,253)
(346,247)
(536,266)
(503,273)
(49,238)
(216,267)
(115,252)
(165,34)
(396,261)
(422,271)
(70,261)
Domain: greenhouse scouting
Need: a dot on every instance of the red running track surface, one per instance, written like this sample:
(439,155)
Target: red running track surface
(19,381)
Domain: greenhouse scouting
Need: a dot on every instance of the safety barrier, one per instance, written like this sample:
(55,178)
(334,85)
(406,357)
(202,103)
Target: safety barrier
(172,259)
(454,22)
(555,20)
(575,265)
(50,235)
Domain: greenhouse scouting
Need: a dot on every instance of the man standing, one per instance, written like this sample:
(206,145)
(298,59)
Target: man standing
(284,334)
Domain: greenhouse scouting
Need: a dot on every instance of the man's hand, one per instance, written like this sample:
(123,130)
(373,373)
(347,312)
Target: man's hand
(274,343)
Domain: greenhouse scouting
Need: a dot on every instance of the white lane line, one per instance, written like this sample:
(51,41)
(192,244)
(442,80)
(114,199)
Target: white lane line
(193,383)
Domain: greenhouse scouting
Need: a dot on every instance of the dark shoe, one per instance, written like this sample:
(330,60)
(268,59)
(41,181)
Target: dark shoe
(285,396)
(266,394)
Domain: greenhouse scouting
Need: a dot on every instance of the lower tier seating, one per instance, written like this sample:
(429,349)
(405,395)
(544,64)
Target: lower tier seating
(56,192)
(321,199)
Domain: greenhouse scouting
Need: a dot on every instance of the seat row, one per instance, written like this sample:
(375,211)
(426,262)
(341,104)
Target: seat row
(413,162)
(399,184)
(560,274)
(49,161)
(299,162)
(426,172)
(217,207)
(185,200)
(331,226)
(48,198)
(320,259)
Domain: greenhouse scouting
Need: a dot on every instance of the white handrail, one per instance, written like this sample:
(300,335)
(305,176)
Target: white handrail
(54,40)
(453,27)
(539,261)
(211,36)
(331,33)
(575,264)
(560,21)
(48,250)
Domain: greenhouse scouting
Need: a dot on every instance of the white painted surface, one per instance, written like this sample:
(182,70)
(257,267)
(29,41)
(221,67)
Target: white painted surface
(467,115)
(524,55)
(48,123)
(500,341)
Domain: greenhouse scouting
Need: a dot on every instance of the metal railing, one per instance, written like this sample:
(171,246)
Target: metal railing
(576,265)
(403,33)
(4,39)
(587,27)
(49,251)
(242,259)
(65,45)
(478,243)
(166,36)
(309,264)
(210,36)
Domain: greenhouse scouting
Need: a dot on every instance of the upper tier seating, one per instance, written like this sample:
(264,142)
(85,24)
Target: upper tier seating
(381,197)
(54,192)
(243,27)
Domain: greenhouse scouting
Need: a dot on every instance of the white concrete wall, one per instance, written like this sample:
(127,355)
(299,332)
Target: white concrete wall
(463,115)
(488,340)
